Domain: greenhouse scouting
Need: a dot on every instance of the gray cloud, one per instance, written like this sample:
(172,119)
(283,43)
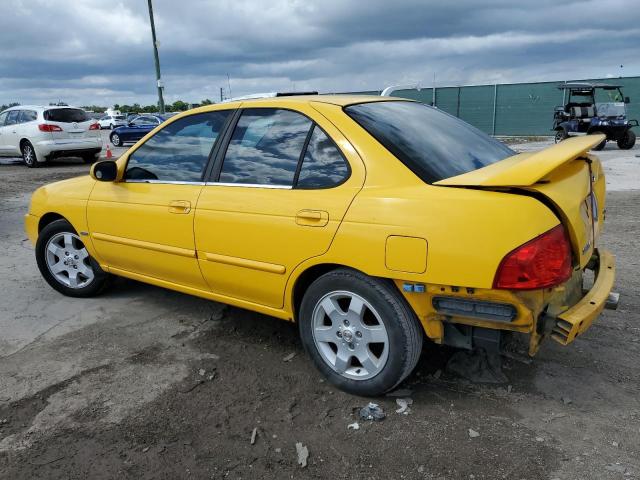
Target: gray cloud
(83,51)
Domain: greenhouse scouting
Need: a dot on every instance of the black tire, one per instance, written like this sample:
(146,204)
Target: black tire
(602,144)
(115,139)
(95,286)
(627,141)
(29,156)
(90,157)
(111,126)
(560,135)
(403,329)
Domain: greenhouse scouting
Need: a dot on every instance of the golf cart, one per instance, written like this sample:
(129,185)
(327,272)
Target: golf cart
(594,108)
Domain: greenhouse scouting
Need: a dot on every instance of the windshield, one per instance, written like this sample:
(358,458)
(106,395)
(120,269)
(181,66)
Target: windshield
(610,109)
(433,144)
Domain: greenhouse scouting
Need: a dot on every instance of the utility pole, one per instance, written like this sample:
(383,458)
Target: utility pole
(157,59)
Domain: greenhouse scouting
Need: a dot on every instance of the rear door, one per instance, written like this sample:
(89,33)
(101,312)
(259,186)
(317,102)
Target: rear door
(276,198)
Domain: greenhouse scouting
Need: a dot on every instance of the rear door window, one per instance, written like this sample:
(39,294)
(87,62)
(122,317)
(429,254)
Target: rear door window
(323,165)
(66,115)
(180,151)
(28,116)
(265,147)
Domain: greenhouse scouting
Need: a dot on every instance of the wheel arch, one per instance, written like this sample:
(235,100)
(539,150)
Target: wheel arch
(48,218)
(313,272)
(305,279)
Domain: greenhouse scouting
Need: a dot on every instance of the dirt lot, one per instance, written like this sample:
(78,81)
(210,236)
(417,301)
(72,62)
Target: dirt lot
(147,383)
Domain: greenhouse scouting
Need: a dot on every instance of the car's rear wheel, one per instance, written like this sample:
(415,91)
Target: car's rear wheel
(359,331)
(627,141)
(90,157)
(29,156)
(115,139)
(602,144)
(111,126)
(65,263)
(560,135)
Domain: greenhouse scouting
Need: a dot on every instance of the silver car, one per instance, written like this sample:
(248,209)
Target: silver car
(41,133)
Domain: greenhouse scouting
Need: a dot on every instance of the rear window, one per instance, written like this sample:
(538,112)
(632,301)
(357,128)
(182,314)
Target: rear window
(66,115)
(433,144)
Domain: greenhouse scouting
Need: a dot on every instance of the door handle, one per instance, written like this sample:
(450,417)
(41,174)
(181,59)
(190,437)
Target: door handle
(312,218)
(179,206)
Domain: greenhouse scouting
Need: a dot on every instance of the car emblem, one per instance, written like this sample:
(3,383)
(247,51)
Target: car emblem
(75,125)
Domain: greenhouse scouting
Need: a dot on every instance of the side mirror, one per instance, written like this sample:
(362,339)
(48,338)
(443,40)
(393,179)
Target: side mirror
(105,171)
(627,100)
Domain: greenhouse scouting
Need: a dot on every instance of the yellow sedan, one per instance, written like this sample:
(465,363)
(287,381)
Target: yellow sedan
(373,223)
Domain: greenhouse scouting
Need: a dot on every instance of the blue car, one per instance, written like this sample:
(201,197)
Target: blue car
(135,129)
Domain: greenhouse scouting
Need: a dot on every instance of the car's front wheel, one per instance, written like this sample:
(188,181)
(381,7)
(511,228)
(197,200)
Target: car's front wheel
(65,263)
(627,141)
(116,140)
(29,156)
(561,135)
(359,331)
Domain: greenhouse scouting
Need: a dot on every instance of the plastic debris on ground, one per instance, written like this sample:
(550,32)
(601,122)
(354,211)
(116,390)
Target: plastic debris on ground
(404,403)
(303,454)
(353,426)
(372,412)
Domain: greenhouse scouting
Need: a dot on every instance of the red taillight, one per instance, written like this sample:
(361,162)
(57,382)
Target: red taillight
(94,126)
(45,127)
(543,262)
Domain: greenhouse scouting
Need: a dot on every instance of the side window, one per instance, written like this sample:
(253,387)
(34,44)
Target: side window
(12,118)
(3,118)
(323,165)
(28,116)
(178,152)
(265,147)
(145,120)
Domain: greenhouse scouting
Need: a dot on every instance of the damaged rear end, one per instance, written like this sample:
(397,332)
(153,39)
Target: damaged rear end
(574,276)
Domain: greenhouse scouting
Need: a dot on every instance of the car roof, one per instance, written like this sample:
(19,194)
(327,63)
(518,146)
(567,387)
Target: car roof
(40,107)
(341,100)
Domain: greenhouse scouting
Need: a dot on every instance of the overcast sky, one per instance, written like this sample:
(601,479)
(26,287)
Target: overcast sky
(100,52)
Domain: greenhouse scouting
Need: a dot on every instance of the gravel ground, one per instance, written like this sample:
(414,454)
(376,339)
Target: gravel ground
(147,383)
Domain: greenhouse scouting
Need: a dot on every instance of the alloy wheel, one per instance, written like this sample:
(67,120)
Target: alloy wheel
(28,154)
(350,335)
(68,260)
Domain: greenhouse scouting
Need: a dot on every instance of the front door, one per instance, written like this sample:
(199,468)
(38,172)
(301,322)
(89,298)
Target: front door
(279,194)
(144,223)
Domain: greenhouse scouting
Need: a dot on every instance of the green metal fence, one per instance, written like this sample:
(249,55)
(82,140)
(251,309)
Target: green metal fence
(511,109)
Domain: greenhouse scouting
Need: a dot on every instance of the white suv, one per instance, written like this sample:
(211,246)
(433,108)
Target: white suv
(41,133)
(112,121)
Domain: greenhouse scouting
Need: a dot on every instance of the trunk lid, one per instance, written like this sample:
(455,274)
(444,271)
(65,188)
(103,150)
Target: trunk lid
(564,176)
(74,123)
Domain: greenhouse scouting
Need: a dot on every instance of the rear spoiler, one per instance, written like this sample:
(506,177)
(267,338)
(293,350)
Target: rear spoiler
(525,169)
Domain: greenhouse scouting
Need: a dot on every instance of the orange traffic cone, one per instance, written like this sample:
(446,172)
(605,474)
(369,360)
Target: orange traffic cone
(109,154)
